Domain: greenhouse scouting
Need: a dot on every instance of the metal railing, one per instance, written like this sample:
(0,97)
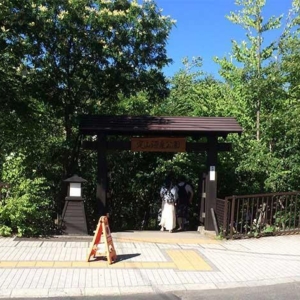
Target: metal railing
(260,215)
(222,213)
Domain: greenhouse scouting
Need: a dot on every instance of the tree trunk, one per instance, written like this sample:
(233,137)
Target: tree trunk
(258,122)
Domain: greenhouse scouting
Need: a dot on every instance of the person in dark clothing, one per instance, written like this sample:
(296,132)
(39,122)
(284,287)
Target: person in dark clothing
(184,199)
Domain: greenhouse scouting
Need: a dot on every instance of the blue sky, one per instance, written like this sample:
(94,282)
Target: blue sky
(203,30)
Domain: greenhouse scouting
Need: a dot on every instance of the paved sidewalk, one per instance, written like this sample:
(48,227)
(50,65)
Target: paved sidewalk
(148,262)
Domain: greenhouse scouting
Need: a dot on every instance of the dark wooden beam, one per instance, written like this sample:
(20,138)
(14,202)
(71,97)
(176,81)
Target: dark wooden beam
(101,193)
(202,185)
(126,145)
(211,183)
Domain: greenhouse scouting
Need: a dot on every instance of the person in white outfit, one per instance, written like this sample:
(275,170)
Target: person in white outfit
(168,195)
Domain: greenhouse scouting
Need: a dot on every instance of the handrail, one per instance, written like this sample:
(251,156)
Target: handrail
(266,195)
(261,214)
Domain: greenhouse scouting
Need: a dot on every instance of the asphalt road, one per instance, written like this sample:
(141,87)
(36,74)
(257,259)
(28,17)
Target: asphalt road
(288,291)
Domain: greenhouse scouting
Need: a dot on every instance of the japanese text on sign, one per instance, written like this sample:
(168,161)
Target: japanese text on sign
(158,144)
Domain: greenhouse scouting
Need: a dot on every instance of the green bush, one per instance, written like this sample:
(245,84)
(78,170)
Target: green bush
(5,230)
(27,209)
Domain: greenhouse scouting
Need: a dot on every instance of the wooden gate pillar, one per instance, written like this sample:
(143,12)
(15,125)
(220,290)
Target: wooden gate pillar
(202,183)
(211,183)
(101,193)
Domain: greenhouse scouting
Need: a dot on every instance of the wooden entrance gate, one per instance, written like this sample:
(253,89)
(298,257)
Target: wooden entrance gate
(158,134)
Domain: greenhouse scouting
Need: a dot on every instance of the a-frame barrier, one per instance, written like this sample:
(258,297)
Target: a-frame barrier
(96,246)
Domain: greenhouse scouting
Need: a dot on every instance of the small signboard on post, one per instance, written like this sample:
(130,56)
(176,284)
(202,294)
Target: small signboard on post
(108,250)
(158,144)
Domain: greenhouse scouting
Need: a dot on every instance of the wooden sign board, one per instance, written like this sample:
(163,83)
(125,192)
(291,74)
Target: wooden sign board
(109,249)
(160,144)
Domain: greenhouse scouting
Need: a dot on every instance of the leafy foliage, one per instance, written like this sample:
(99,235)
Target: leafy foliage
(60,59)
(27,205)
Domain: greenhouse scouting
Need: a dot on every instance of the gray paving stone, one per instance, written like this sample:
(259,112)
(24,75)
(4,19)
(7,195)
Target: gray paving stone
(272,245)
(185,277)
(213,246)
(25,293)
(30,244)
(230,285)
(62,292)
(141,245)
(50,245)
(189,246)
(101,291)
(136,290)
(4,293)
(8,242)
(235,263)
(283,280)
(296,278)
(172,275)
(77,245)
(201,286)
(120,245)
(235,247)
(268,282)
(168,288)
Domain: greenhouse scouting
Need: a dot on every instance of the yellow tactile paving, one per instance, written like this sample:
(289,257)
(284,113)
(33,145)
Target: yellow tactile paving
(179,259)
(188,260)
(167,265)
(120,265)
(44,264)
(22,264)
(196,261)
(63,264)
(182,260)
(98,264)
(79,264)
(8,264)
(150,265)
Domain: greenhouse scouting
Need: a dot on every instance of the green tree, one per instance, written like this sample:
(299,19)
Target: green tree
(253,77)
(285,130)
(80,56)
(62,58)
(252,65)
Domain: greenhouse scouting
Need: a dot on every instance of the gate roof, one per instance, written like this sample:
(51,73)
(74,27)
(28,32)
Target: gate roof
(151,125)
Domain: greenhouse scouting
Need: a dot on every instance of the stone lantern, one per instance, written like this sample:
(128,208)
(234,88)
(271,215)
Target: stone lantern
(73,216)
